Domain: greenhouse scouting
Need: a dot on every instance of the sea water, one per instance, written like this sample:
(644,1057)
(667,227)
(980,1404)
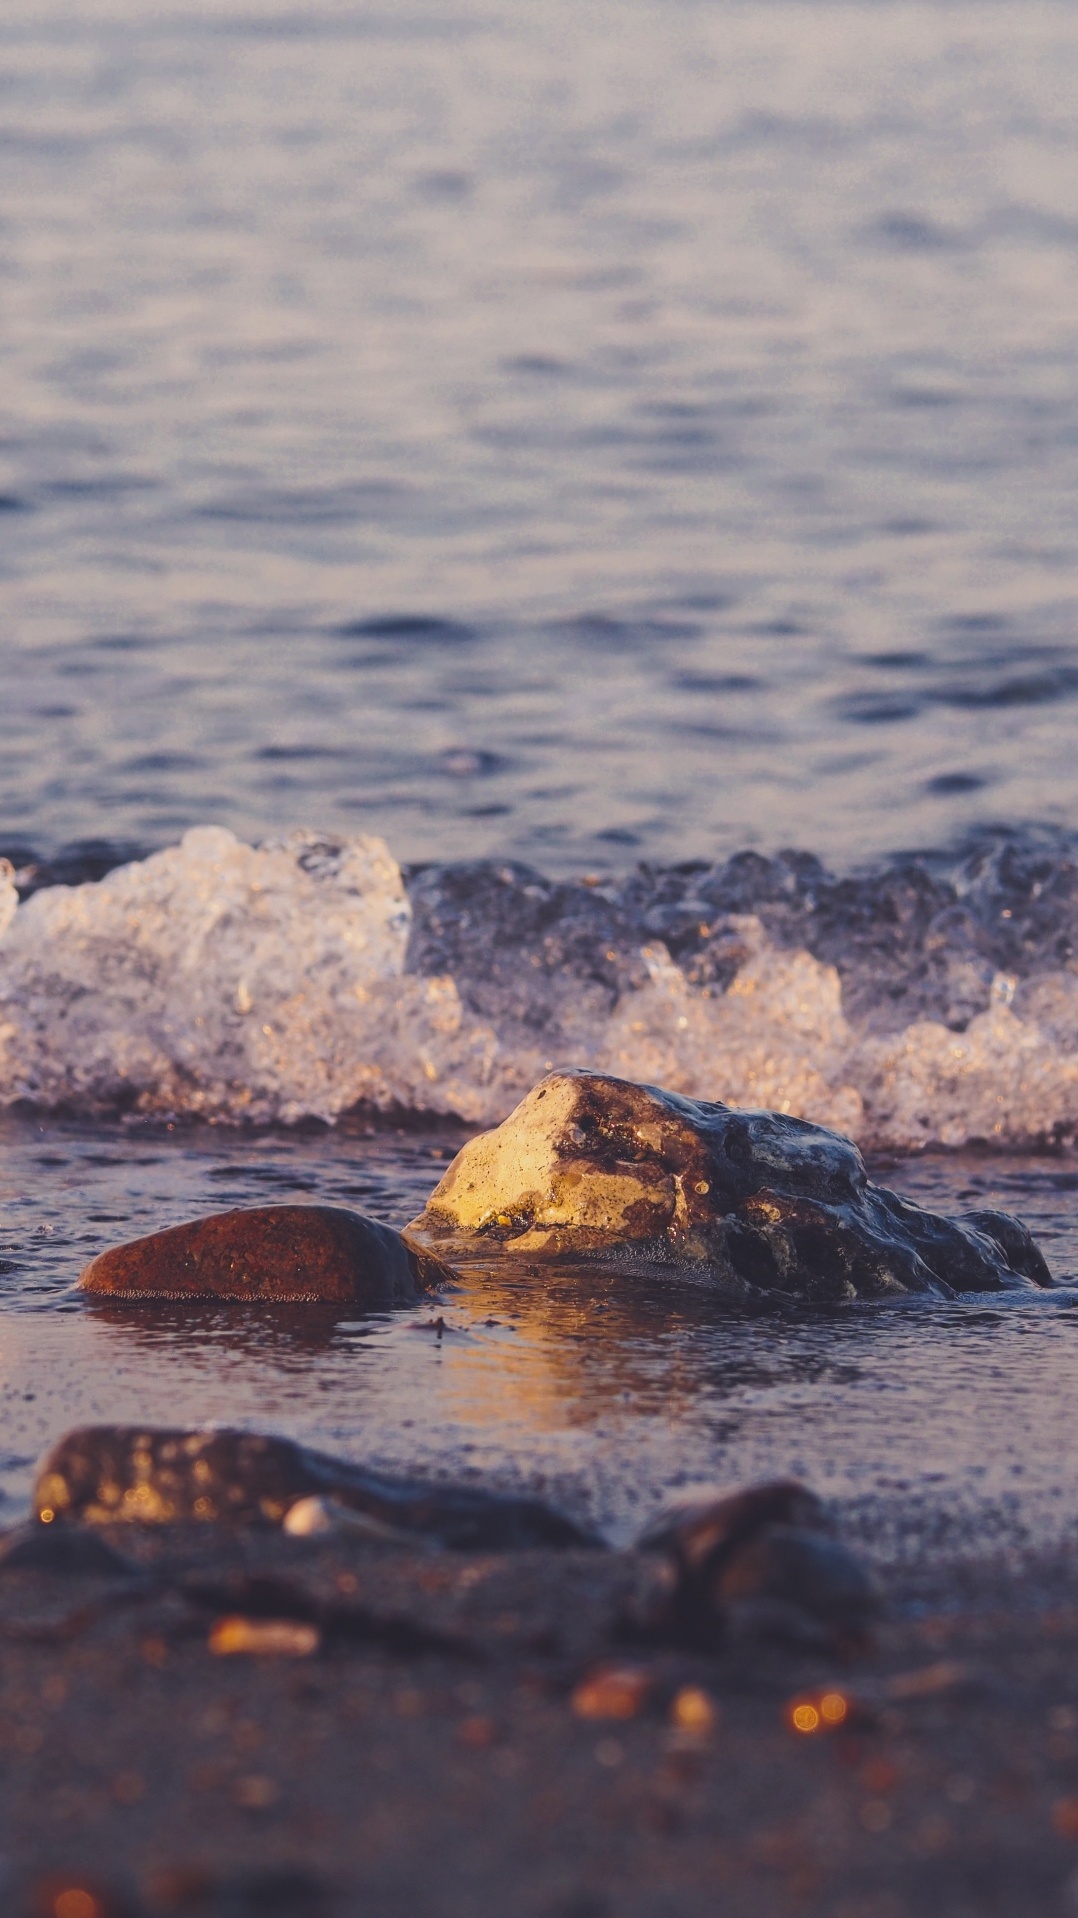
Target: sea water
(539,535)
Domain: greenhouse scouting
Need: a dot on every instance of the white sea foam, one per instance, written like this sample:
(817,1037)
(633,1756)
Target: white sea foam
(778,1038)
(235,983)
(268,983)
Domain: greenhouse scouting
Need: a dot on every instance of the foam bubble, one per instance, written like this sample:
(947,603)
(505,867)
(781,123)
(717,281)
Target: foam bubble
(776,1038)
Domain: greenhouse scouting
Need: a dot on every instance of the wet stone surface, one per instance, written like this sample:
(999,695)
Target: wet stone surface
(102,1474)
(283,1253)
(591,1167)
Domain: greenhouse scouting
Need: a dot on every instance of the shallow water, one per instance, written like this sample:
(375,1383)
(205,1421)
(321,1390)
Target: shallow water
(927,1423)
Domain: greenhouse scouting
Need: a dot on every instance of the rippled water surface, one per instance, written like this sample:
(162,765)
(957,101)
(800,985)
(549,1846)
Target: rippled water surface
(950,1422)
(552,429)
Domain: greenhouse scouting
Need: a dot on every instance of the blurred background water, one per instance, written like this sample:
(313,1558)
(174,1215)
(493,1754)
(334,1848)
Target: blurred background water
(648,428)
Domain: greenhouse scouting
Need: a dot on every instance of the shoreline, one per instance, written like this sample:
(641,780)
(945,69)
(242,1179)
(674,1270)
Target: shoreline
(429,1762)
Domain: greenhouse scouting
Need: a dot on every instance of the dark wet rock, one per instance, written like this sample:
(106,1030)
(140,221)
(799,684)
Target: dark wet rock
(763,1561)
(62,1551)
(705,1531)
(786,1579)
(1020,1250)
(104,1473)
(594,1167)
(273,1253)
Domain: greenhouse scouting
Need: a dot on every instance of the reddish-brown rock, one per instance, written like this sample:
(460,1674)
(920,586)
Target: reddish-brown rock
(276,1253)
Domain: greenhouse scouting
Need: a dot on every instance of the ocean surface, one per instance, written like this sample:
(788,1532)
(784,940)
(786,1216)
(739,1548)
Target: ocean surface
(540,535)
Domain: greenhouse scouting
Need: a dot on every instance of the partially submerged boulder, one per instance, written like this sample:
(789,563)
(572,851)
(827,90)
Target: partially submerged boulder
(104,1474)
(275,1253)
(592,1167)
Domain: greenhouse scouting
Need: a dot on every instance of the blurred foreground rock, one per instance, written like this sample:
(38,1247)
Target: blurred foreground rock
(591,1167)
(764,1562)
(104,1473)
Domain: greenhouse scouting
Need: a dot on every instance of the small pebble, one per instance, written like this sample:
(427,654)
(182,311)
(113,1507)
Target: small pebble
(945,1676)
(76,1897)
(818,1712)
(317,1517)
(1065,1817)
(275,1637)
(612,1691)
(694,1711)
(256,1793)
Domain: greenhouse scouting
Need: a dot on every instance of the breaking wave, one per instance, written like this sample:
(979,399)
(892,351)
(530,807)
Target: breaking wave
(930,1001)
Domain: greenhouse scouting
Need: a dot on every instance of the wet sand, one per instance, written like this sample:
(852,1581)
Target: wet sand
(426,1759)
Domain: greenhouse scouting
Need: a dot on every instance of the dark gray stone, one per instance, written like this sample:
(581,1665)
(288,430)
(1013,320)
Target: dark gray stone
(766,1559)
(102,1474)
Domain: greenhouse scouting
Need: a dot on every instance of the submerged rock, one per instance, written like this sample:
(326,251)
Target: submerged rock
(102,1474)
(765,1560)
(589,1167)
(275,1253)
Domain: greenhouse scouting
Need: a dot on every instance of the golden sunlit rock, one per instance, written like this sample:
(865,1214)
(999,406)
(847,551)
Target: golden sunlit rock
(592,1167)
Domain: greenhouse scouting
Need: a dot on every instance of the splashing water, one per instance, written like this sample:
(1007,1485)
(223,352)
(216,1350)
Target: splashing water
(298,979)
(232,983)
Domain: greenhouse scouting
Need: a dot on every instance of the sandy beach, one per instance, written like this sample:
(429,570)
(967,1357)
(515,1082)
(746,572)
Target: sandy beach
(429,1757)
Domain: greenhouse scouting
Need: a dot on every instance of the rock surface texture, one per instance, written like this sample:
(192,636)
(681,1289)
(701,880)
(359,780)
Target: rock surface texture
(275,1253)
(103,1473)
(590,1166)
